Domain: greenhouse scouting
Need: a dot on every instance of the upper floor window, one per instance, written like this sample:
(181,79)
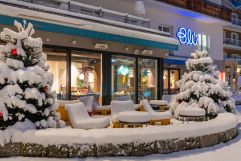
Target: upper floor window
(164,28)
(234,36)
(234,16)
(203,42)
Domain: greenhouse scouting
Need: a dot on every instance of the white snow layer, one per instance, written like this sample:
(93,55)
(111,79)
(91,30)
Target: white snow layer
(70,136)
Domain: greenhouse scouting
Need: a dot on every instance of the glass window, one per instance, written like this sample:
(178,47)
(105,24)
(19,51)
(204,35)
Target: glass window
(147,79)
(56,59)
(174,77)
(123,76)
(165,80)
(203,42)
(85,75)
(171,76)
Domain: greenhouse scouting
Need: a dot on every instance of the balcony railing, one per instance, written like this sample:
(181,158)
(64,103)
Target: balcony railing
(238,59)
(233,42)
(94,11)
(203,6)
(236,21)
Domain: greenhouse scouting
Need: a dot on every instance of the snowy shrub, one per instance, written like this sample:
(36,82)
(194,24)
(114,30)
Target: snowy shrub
(201,85)
(25,83)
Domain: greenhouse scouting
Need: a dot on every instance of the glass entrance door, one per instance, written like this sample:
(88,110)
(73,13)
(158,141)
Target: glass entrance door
(147,79)
(123,76)
(170,78)
(86,75)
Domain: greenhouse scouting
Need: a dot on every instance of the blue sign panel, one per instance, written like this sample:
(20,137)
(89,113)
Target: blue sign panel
(186,36)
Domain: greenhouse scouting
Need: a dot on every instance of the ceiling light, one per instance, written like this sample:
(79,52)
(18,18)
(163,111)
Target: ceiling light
(101,46)
(147,52)
(74,42)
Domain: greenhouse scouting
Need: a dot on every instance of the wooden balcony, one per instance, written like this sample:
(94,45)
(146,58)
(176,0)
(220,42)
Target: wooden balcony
(202,6)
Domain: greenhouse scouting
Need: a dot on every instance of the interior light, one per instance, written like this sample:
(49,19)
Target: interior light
(81,76)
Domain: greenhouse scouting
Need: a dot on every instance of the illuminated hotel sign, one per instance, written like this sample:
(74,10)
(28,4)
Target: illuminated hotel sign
(186,36)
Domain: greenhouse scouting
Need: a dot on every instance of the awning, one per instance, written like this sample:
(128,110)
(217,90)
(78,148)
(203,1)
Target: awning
(83,28)
(176,61)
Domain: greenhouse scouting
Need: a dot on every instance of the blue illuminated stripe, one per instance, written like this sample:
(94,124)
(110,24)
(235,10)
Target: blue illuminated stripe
(174,61)
(50,27)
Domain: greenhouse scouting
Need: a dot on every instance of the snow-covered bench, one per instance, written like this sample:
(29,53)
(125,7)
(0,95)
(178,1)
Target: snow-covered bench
(123,112)
(163,117)
(80,118)
(61,108)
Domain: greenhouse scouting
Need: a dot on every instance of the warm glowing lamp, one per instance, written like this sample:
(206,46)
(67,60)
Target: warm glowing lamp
(81,76)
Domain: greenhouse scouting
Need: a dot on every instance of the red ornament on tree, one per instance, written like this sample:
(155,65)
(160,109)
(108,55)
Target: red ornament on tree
(45,89)
(14,52)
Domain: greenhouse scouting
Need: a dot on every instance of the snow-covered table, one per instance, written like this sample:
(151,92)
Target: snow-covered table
(192,113)
(134,118)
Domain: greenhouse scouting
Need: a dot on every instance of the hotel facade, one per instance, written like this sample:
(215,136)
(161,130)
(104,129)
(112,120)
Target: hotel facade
(110,48)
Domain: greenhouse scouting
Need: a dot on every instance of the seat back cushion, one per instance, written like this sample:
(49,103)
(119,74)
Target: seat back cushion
(120,106)
(167,98)
(146,105)
(88,102)
(64,102)
(123,98)
(76,113)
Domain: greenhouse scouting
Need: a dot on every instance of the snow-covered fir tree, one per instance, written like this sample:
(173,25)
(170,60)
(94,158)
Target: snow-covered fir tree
(25,83)
(200,87)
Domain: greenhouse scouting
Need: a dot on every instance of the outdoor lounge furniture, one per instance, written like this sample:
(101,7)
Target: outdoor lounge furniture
(133,119)
(167,97)
(80,118)
(93,106)
(102,110)
(163,117)
(61,108)
(88,102)
(162,105)
(123,98)
(191,114)
(123,113)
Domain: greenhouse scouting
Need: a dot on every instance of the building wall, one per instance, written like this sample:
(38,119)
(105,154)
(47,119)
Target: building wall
(158,14)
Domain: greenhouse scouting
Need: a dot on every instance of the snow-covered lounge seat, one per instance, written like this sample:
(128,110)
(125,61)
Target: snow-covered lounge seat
(61,108)
(167,97)
(124,111)
(88,102)
(80,118)
(101,110)
(163,117)
(123,98)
